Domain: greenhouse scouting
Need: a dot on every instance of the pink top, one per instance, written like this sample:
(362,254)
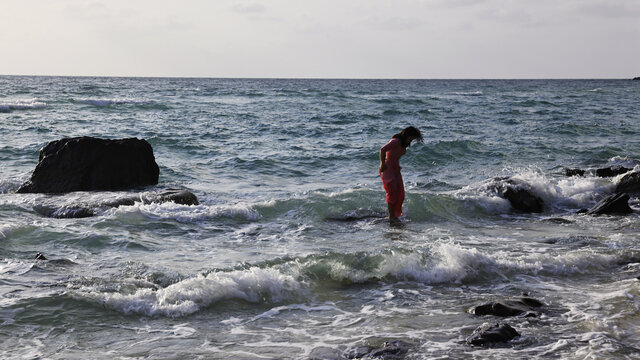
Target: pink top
(393,151)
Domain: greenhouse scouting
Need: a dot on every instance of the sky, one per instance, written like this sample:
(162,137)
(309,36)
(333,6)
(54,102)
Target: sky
(426,39)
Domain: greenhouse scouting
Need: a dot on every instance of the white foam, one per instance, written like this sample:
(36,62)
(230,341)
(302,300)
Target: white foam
(452,263)
(190,295)
(187,213)
(21,104)
(562,192)
(468,93)
(113,101)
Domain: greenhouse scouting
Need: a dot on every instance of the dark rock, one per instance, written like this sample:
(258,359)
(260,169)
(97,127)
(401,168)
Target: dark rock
(177,196)
(489,334)
(612,171)
(65,212)
(39,256)
(521,196)
(636,78)
(390,350)
(357,215)
(88,164)
(325,353)
(84,210)
(616,204)
(510,307)
(629,183)
(574,172)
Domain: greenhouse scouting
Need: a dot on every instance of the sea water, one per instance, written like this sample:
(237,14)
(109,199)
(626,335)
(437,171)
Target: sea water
(288,255)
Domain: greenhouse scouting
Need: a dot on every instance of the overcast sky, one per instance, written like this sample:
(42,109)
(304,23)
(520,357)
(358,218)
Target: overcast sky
(322,38)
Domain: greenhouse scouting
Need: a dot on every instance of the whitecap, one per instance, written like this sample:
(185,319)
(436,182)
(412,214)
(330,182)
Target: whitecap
(113,101)
(191,295)
(186,213)
(21,104)
(566,192)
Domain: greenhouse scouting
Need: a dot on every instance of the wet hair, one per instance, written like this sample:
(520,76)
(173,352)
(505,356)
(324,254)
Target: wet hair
(407,133)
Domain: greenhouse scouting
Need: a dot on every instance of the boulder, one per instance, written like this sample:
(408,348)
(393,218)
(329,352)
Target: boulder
(520,195)
(615,204)
(629,183)
(636,78)
(574,172)
(88,164)
(612,171)
(511,307)
(488,334)
(177,196)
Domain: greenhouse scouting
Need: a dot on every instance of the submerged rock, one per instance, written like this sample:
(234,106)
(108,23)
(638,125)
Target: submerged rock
(629,183)
(390,350)
(510,307)
(520,195)
(488,334)
(615,204)
(612,171)
(177,196)
(357,215)
(608,171)
(574,172)
(88,164)
(84,210)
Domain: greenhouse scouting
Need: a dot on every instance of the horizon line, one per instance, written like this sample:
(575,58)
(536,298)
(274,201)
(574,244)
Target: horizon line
(318,78)
(321,78)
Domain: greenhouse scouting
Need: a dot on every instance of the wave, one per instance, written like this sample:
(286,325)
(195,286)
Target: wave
(468,93)
(564,193)
(17,105)
(186,213)
(188,296)
(121,101)
(287,279)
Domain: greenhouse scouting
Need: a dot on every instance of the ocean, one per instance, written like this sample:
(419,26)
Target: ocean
(288,254)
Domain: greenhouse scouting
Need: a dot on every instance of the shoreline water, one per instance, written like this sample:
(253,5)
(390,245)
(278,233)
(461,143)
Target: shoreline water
(281,258)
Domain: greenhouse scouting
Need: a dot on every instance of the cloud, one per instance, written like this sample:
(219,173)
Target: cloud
(612,9)
(394,23)
(249,8)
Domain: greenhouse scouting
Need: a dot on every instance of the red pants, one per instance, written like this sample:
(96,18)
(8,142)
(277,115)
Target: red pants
(394,187)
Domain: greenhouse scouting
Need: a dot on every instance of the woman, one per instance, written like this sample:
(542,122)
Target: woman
(390,169)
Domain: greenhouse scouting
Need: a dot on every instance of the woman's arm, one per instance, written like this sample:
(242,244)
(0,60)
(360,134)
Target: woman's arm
(383,155)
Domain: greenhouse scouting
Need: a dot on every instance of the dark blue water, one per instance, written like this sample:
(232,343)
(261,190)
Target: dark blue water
(287,255)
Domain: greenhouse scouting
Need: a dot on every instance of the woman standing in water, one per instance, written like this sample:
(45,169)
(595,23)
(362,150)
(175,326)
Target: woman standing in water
(390,169)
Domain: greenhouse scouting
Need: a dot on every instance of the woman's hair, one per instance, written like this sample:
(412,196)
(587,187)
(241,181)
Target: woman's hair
(407,133)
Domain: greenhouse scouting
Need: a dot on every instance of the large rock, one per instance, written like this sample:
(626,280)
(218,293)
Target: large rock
(615,204)
(612,171)
(520,195)
(88,164)
(511,307)
(488,334)
(629,183)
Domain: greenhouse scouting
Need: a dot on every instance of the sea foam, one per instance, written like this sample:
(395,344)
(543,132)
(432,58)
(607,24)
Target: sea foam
(187,213)
(189,296)
(26,104)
